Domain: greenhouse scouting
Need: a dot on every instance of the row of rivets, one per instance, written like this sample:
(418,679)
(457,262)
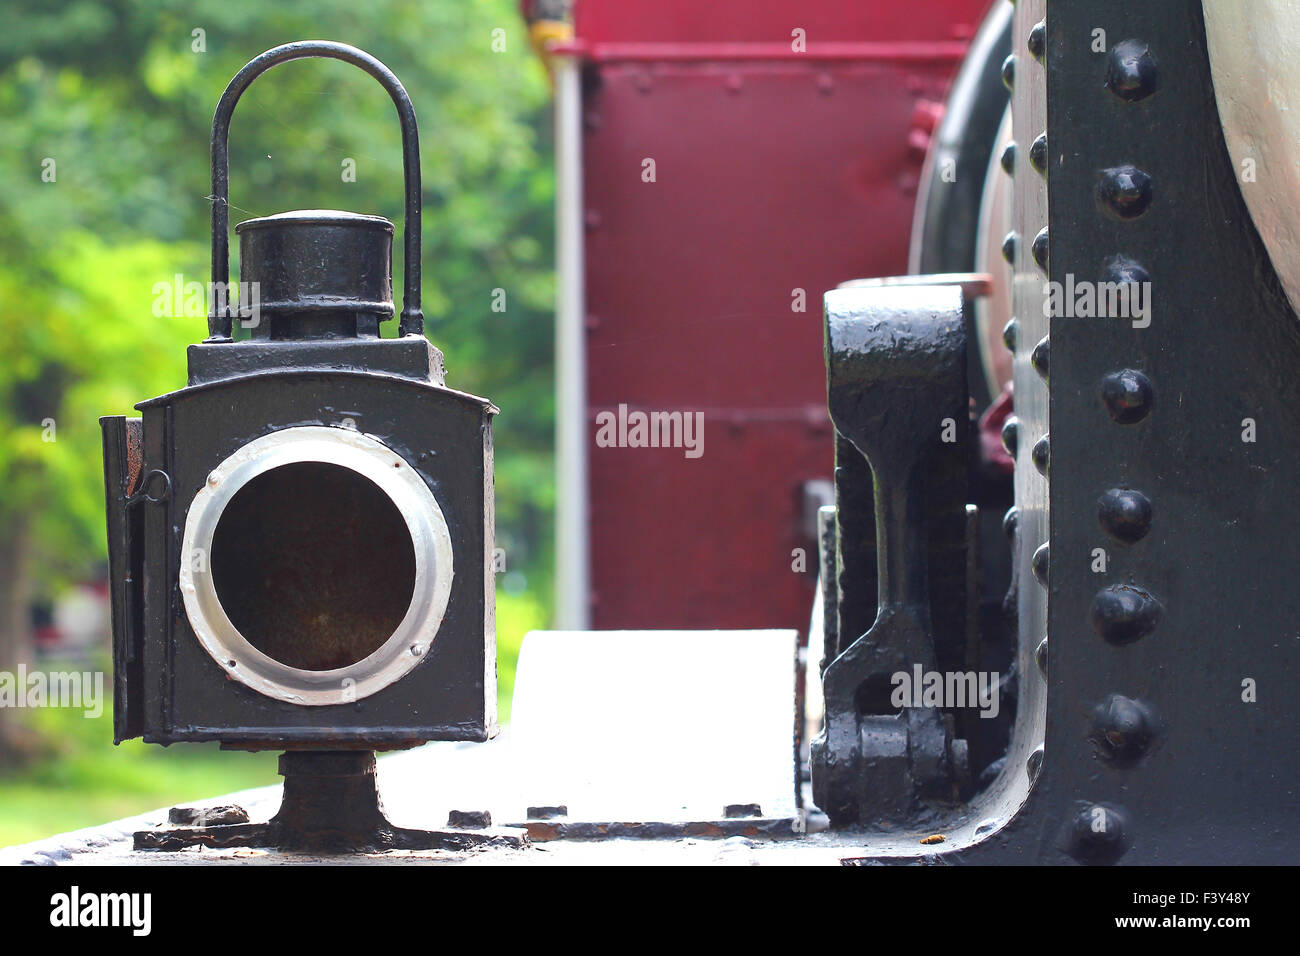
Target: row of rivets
(1011,427)
(1036,43)
(1039,250)
(1122,730)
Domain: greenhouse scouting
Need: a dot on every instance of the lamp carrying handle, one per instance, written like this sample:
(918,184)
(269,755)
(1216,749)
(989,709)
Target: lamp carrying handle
(220,320)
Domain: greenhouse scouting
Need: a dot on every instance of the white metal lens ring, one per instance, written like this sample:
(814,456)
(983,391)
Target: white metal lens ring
(430,540)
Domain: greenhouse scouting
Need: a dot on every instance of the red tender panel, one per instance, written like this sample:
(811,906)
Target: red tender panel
(770,177)
(681,543)
(757,21)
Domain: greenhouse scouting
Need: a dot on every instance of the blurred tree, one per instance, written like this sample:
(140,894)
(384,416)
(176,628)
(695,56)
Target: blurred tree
(103,187)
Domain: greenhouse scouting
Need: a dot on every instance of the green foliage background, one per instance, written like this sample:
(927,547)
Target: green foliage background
(114,93)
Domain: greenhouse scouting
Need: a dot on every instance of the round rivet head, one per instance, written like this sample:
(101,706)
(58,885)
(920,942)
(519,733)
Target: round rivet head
(1040,657)
(1011,435)
(1038,153)
(1122,614)
(1097,835)
(1010,332)
(1131,70)
(1123,730)
(1128,396)
(1041,454)
(1037,40)
(1039,249)
(1011,521)
(1124,191)
(1009,72)
(1009,248)
(1008,159)
(1124,514)
(1040,356)
(1039,563)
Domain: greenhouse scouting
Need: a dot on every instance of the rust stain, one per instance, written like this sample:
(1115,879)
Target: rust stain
(543,832)
(134,454)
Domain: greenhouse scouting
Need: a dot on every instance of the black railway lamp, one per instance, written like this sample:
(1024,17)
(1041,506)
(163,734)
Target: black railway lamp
(301,539)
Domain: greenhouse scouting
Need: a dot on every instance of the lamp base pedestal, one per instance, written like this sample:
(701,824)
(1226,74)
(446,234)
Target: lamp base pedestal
(330,805)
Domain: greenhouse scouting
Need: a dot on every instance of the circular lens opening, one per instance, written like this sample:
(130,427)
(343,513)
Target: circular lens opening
(313,565)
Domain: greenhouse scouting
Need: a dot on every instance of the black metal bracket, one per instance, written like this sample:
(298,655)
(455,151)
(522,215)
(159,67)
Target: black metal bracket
(895,372)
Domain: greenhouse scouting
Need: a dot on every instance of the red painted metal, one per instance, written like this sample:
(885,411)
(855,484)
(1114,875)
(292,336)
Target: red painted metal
(914,52)
(774,172)
(742,21)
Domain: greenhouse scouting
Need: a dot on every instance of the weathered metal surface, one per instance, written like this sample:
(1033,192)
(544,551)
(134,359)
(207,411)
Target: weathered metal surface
(219,815)
(469,819)
(545,831)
